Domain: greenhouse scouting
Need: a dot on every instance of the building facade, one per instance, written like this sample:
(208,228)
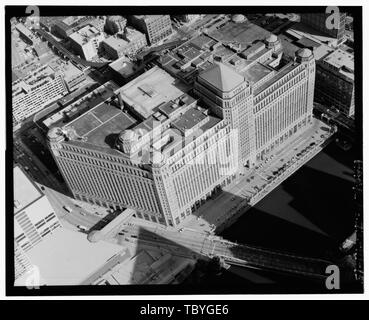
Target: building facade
(115,24)
(267,110)
(336,83)
(40,88)
(156,27)
(167,152)
(127,43)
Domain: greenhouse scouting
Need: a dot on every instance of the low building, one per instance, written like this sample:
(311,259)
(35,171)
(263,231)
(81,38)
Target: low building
(33,92)
(34,217)
(156,27)
(86,41)
(335,85)
(127,43)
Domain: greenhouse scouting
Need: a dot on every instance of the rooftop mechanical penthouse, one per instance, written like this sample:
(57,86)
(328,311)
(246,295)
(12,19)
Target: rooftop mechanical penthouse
(155,148)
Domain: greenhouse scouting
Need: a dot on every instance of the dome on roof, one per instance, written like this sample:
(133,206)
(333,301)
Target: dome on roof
(54,133)
(157,158)
(94,236)
(272,38)
(238,18)
(304,53)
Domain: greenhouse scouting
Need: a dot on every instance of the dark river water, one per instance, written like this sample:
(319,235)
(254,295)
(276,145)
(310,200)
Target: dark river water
(310,214)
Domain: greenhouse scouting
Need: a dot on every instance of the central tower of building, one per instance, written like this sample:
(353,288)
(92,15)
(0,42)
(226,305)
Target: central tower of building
(229,96)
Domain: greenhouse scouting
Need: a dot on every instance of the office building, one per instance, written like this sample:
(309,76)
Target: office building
(155,27)
(26,34)
(144,147)
(318,22)
(335,82)
(34,217)
(86,41)
(153,149)
(115,24)
(33,92)
(127,43)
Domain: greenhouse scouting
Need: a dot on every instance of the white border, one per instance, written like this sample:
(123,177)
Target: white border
(187,3)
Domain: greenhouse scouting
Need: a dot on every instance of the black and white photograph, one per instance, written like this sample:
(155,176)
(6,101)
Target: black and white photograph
(184,150)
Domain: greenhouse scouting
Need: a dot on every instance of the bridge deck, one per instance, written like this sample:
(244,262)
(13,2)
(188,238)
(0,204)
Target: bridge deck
(272,260)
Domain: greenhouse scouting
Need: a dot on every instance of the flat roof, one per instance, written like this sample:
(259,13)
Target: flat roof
(85,33)
(243,33)
(342,61)
(150,90)
(255,72)
(68,258)
(25,191)
(281,73)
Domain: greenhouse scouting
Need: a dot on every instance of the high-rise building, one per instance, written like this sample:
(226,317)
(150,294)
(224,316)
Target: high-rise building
(153,149)
(34,217)
(86,41)
(33,92)
(156,27)
(318,21)
(335,81)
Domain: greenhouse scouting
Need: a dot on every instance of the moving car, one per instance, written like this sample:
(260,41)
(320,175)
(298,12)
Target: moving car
(68,209)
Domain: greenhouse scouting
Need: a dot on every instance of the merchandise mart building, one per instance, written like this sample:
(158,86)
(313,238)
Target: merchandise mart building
(156,149)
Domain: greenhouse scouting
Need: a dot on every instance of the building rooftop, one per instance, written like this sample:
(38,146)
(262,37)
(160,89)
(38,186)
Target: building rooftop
(282,72)
(100,125)
(150,90)
(84,34)
(342,62)
(68,258)
(25,191)
(222,77)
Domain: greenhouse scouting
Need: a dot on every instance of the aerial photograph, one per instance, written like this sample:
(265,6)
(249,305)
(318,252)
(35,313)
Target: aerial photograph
(184,153)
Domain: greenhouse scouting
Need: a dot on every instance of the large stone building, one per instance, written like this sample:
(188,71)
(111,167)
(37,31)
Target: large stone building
(125,43)
(265,102)
(156,149)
